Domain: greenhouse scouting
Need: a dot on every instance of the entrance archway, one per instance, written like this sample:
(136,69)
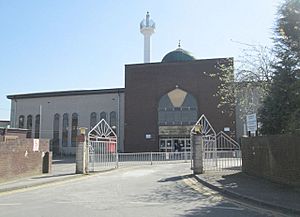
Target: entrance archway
(177,113)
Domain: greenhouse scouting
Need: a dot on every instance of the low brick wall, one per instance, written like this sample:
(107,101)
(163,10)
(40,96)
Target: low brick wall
(17,158)
(276,158)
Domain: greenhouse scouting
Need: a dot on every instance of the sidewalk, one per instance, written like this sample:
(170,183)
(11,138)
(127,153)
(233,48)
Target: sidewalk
(253,190)
(62,169)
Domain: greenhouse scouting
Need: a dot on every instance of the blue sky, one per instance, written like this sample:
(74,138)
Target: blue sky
(59,45)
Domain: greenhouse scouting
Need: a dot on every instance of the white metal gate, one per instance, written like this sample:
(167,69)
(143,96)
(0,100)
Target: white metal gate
(220,152)
(102,142)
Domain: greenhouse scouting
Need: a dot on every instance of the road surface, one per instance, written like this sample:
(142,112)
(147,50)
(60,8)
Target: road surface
(158,190)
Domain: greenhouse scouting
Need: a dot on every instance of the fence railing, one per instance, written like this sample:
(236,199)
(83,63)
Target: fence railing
(152,157)
(100,161)
(222,160)
(212,160)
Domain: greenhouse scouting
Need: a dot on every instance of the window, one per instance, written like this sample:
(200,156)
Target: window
(37,127)
(29,126)
(21,121)
(93,119)
(65,129)
(55,143)
(113,120)
(103,116)
(74,129)
(177,108)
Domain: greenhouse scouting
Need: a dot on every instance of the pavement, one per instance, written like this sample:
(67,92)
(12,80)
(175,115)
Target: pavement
(62,169)
(253,190)
(233,184)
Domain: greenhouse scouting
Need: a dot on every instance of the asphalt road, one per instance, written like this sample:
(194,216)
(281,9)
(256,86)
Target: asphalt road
(159,190)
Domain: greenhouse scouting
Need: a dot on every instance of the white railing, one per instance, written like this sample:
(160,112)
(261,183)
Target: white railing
(222,160)
(212,161)
(152,158)
(99,161)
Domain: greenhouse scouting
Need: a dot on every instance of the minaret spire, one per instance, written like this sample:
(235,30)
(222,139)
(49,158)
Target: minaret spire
(147,28)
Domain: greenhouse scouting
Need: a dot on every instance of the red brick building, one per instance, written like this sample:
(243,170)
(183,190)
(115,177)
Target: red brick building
(164,100)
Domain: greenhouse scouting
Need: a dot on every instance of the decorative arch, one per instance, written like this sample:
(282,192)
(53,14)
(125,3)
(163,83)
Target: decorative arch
(177,108)
(102,131)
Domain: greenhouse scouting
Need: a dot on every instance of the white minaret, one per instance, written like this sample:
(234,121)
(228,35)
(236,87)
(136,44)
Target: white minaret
(147,28)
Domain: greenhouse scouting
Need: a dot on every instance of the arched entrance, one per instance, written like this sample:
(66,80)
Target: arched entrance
(102,142)
(177,113)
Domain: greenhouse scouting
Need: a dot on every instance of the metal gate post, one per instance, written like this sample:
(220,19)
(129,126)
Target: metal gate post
(117,159)
(197,142)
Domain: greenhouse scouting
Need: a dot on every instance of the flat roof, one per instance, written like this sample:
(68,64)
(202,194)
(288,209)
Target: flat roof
(65,93)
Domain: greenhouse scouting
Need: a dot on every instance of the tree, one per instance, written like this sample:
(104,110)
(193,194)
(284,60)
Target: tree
(243,90)
(281,108)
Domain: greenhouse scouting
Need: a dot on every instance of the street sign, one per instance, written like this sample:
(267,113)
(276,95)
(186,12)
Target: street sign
(251,122)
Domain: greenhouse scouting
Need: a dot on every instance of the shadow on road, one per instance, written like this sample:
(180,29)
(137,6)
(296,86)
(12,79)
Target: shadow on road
(175,192)
(171,179)
(51,176)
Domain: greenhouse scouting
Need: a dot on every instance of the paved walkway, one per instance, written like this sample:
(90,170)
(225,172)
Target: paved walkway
(254,190)
(61,170)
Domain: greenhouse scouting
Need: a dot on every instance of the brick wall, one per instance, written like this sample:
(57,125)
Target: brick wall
(17,158)
(276,158)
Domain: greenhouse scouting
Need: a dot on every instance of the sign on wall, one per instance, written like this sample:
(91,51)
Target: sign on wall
(174,130)
(251,122)
(36,144)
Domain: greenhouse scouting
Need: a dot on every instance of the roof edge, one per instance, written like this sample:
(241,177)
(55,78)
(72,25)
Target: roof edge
(65,93)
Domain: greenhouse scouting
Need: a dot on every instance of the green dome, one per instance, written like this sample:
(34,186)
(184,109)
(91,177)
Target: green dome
(178,55)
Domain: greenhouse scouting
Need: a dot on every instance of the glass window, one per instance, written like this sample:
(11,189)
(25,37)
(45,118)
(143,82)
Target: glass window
(103,116)
(113,120)
(21,121)
(93,119)
(37,127)
(185,114)
(65,129)
(29,126)
(74,129)
(55,143)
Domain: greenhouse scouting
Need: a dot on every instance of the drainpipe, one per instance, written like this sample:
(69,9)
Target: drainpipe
(118,128)
(15,114)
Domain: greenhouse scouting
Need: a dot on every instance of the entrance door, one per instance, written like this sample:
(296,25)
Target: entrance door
(175,144)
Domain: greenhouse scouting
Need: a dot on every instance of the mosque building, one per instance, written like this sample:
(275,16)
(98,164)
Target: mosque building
(155,111)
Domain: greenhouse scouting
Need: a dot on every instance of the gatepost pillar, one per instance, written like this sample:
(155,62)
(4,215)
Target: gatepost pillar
(81,152)
(197,142)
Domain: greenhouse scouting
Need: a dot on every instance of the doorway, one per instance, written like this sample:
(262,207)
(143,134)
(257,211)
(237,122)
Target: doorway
(174,144)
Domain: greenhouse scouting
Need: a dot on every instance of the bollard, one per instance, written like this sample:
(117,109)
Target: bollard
(197,142)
